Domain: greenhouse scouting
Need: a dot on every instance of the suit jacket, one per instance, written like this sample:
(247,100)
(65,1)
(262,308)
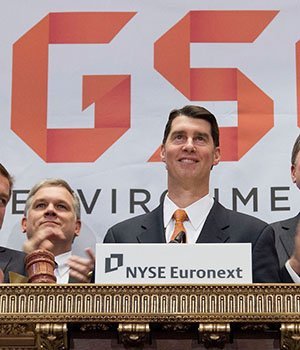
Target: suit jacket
(221,226)
(284,240)
(11,260)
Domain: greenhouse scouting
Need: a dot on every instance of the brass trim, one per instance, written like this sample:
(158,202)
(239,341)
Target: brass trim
(133,334)
(214,334)
(290,336)
(40,312)
(17,336)
(34,303)
(51,336)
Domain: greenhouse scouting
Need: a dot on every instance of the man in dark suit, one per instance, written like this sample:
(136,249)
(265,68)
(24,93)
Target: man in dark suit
(287,236)
(10,260)
(190,149)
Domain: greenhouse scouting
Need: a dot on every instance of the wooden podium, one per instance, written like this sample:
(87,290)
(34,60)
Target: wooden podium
(89,316)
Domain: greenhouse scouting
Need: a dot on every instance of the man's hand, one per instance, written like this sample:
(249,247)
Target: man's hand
(82,269)
(1,276)
(295,258)
(39,241)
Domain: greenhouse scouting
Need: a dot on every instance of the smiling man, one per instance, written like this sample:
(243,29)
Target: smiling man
(52,221)
(188,214)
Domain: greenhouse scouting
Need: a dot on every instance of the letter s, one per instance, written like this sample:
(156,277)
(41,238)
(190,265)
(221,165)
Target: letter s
(172,61)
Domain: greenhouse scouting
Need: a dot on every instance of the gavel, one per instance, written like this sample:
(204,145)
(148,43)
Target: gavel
(40,265)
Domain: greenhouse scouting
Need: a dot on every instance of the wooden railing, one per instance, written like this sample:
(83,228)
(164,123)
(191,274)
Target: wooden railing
(45,316)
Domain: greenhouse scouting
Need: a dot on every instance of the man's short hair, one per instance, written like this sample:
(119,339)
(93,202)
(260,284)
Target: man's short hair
(7,175)
(195,112)
(295,151)
(53,183)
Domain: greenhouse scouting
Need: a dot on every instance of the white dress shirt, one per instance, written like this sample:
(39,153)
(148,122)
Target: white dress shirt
(196,212)
(62,271)
(294,276)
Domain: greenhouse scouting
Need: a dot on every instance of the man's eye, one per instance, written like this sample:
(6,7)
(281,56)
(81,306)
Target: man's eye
(62,207)
(3,202)
(40,205)
(200,138)
(178,137)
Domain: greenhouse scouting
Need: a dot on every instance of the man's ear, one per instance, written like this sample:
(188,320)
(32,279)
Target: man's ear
(24,224)
(77,227)
(217,156)
(162,152)
(293,176)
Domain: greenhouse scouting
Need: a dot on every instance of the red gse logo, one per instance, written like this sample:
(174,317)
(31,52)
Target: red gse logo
(110,93)
(172,60)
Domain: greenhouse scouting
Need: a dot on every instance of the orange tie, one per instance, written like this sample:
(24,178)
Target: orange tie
(179,216)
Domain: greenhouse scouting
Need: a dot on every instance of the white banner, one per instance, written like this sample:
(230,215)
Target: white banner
(86,89)
(173,263)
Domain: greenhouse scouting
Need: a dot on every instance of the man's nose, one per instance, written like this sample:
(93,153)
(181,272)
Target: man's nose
(189,145)
(50,210)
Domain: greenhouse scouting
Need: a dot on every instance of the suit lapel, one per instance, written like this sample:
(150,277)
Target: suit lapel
(213,231)
(152,227)
(216,223)
(287,234)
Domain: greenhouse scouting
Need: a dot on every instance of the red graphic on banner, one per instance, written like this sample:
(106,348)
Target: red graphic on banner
(298,80)
(172,60)
(110,94)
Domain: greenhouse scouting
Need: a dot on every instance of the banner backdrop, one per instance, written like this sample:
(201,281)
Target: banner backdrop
(86,88)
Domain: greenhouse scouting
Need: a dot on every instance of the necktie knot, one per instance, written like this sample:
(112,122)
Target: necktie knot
(179,234)
(180,215)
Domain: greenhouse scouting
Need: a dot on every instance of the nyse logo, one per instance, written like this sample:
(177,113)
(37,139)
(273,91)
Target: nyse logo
(113,262)
(146,272)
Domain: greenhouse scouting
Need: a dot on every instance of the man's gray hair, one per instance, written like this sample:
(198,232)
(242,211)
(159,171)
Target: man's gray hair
(53,183)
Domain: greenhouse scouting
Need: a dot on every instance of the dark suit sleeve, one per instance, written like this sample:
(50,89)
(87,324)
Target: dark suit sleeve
(109,237)
(284,242)
(264,258)
(12,260)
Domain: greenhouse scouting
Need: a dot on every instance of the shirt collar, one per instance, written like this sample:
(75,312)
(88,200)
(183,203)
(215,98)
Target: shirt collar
(61,261)
(196,211)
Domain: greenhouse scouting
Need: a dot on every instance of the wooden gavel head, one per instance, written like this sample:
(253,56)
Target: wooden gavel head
(40,265)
